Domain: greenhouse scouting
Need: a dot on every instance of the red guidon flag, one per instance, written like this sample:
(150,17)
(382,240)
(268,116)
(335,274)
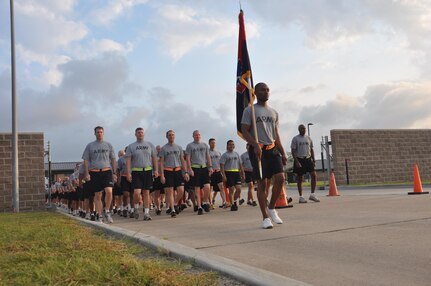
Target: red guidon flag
(244,77)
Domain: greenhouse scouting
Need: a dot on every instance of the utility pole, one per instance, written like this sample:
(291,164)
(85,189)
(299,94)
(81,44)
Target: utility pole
(15,174)
(328,157)
(49,173)
(323,163)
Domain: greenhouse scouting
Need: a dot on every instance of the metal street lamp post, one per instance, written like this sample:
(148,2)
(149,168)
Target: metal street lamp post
(308,128)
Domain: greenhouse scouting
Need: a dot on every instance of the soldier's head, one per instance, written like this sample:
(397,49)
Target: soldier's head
(139,133)
(302,129)
(99,132)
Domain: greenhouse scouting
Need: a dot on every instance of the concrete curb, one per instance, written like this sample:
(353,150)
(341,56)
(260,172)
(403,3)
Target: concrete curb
(238,271)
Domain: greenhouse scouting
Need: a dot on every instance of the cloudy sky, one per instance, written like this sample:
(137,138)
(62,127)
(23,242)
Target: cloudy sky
(170,64)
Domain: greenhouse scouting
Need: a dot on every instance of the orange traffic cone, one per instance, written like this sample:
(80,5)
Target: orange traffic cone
(226,192)
(281,202)
(417,184)
(332,186)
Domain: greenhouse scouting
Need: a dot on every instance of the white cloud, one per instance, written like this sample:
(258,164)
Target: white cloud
(113,10)
(183,29)
(42,30)
(391,105)
(329,23)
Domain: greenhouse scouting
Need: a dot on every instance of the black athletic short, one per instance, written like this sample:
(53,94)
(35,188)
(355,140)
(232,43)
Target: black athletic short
(126,186)
(271,163)
(74,196)
(158,186)
(142,180)
(216,178)
(79,193)
(173,179)
(249,177)
(232,179)
(100,180)
(86,190)
(201,177)
(117,190)
(216,188)
(307,165)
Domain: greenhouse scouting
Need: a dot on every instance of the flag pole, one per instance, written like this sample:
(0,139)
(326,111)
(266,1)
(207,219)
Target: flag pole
(253,120)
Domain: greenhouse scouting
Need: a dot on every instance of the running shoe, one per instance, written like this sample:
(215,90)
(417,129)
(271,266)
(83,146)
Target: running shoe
(274,216)
(254,203)
(92,217)
(173,214)
(267,224)
(195,208)
(136,214)
(169,210)
(241,201)
(206,208)
(200,211)
(177,209)
(147,217)
(158,212)
(314,198)
(99,218)
(108,217)
(302,200)
(124,213)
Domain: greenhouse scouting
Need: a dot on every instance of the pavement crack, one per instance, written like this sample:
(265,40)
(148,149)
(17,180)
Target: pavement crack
(317,233)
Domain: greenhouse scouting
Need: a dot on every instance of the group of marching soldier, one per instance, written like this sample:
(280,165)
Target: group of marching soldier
(145,175)
(148,177)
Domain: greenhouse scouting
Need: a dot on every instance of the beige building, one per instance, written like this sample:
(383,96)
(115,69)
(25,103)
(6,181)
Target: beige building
(381,155)
(31,172)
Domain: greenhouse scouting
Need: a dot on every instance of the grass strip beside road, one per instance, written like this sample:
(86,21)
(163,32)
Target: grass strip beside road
(47,248)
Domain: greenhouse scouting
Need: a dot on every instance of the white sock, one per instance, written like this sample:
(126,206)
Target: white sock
(146,210)
(136,206)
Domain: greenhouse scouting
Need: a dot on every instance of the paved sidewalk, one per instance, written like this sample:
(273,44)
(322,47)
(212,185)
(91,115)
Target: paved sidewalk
(366,236)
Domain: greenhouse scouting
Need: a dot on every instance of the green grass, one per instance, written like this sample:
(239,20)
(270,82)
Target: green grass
(47,248)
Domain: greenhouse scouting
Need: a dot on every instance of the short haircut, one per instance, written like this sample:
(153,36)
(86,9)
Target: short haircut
(139,128)
(229,141)
(258,85)
(97,128)
(167,132)
(211,139)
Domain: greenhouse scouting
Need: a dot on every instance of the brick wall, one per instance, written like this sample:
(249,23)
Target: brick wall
(381,156)
(31,172)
